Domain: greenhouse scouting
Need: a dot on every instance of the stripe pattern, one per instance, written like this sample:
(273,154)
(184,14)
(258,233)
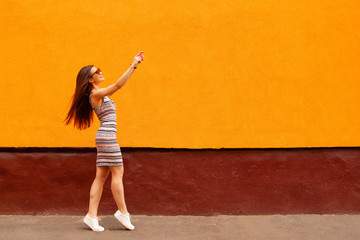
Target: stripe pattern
(108,149)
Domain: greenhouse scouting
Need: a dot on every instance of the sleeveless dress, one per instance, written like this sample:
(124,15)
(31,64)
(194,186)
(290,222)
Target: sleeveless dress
(107,147)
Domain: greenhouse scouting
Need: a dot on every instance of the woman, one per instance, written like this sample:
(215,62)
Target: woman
(90,97)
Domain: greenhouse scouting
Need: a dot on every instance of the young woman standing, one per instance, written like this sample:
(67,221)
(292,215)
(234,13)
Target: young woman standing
(90,97)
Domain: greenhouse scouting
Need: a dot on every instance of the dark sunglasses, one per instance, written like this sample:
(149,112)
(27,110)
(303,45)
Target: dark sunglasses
(98,71)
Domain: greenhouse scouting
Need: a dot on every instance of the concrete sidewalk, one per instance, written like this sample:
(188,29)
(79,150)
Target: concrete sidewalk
(339,227)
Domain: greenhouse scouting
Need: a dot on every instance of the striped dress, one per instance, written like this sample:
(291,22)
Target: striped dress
(108,149)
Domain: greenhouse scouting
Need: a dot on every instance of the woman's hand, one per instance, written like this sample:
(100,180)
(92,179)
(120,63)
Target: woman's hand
(138,59)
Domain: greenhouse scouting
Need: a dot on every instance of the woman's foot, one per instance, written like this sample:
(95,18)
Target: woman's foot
(93,223)
(124,219)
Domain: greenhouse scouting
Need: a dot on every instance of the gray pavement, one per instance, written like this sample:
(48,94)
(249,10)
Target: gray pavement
(288,227)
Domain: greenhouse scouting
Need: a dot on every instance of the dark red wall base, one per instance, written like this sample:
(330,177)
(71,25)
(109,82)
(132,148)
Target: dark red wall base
(186,182)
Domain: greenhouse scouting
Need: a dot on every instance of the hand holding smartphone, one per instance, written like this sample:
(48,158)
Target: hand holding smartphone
(139,56)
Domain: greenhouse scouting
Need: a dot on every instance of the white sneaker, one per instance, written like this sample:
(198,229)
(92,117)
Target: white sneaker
(124,219)
(93,223)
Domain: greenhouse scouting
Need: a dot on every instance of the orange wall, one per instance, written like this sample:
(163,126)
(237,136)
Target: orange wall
(237,74)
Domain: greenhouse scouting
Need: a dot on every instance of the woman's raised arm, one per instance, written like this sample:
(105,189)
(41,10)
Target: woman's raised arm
(108,91)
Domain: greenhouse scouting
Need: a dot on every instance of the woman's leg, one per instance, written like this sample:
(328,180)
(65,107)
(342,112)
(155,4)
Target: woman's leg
(117,187)
(97,189)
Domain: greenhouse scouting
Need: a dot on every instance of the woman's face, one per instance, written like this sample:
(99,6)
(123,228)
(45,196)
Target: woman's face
(97,76)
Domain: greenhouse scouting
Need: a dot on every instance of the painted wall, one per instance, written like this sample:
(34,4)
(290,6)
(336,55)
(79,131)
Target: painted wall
(195,182)
(234,74)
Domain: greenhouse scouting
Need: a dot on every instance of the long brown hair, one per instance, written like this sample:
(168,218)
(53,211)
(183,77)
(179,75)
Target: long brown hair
(80,110)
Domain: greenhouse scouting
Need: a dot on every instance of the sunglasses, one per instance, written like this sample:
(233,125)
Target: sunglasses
(98,71)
